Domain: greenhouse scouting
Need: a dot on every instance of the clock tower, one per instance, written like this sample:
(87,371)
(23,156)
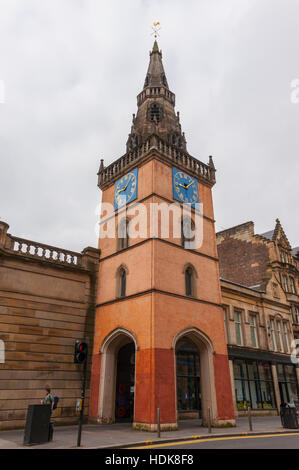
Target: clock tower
(159,339)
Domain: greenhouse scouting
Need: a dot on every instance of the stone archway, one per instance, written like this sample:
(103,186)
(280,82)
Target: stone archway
(205,350)
(110,348)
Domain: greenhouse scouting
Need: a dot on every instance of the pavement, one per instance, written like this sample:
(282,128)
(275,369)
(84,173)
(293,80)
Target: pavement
(122,435)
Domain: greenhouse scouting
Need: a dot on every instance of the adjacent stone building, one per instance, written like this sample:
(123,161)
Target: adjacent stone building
(259,285)
(47,298)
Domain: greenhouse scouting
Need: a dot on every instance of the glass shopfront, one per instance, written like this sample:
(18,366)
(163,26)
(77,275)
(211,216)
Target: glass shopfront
(188,378)
(253,384)
(287,381)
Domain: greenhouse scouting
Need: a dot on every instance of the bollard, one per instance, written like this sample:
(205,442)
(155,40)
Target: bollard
(209,420)
(249,418)
(158,422)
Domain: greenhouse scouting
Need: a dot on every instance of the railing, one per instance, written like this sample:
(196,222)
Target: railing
(201,170)
(44,252)
(155,92)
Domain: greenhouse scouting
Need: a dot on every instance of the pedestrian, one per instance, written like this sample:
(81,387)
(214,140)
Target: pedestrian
(49,399)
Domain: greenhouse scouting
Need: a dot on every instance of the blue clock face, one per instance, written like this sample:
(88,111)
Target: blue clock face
(185,188)
(125,189)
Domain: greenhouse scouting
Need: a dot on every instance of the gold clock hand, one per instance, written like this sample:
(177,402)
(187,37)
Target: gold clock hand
(124,187)
(189,185)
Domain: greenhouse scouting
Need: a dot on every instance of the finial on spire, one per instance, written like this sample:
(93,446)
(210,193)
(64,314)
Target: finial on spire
(155,29)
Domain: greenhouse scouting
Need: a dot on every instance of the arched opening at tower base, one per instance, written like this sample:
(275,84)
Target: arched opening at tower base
(195,384)
(117,378)
(125,384)
(188,380)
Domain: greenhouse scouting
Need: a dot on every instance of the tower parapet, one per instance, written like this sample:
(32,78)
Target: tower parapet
(170,154)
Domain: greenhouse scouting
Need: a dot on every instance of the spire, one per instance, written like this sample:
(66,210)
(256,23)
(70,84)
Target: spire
(156,114)
(155,73)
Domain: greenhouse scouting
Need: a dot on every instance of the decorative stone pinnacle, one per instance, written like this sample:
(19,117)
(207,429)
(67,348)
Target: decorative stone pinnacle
(101,166)
(211,163)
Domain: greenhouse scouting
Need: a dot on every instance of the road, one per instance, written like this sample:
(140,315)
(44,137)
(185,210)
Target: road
(273,441)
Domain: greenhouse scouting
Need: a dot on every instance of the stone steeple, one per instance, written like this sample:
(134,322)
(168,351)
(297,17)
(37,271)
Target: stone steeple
(156,132)
(156,114)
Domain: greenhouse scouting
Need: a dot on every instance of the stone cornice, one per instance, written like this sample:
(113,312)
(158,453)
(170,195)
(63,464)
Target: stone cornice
(157,291)
(174,245)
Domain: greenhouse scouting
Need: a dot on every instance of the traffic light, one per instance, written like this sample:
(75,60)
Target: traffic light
(80,354)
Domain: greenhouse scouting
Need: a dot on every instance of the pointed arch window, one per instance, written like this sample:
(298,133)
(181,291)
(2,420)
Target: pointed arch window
(123,234)
(121,281)
(190,280)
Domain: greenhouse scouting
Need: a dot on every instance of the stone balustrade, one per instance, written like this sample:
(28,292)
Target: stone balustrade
(202,171)
(11,246)
(41,251)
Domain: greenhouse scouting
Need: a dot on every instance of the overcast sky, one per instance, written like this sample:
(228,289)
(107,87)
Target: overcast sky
(73,68)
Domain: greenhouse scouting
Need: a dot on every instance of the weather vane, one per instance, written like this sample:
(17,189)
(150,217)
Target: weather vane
(155,29)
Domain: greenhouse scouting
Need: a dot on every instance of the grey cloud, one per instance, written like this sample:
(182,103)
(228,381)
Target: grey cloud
(72,71)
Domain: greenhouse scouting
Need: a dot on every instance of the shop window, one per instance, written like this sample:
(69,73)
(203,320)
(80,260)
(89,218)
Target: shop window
(253,384)
(287,382)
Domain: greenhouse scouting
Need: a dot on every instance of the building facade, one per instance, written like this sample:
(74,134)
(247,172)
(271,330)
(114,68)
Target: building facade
(259,284)
(159,338)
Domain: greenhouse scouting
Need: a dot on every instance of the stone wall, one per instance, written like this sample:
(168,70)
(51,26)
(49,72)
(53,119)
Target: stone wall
(242,258)
(46,304)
